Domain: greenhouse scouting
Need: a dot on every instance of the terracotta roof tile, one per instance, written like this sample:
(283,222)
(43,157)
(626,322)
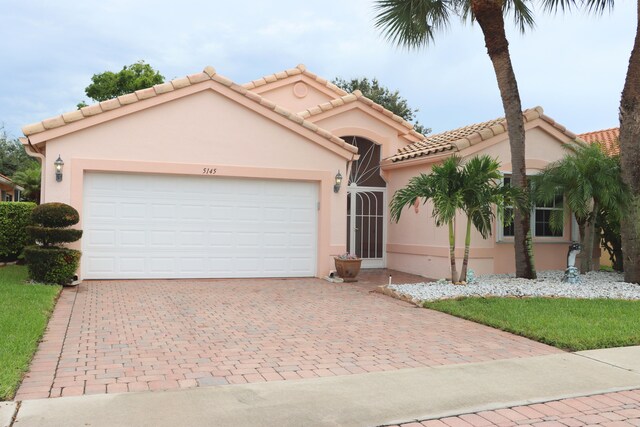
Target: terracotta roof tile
(464,137)
(299,69)
(353,97)
(209,73)
(5,179)
(608,138)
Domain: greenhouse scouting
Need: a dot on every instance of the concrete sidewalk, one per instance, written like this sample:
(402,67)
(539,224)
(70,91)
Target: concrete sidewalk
(355,400)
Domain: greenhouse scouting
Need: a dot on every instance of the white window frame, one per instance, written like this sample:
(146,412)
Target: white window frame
(500,237)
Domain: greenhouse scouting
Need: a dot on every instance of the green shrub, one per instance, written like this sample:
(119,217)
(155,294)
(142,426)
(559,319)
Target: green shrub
(55,215)
(52,265)
(47,261)
(50,236)
(14,218)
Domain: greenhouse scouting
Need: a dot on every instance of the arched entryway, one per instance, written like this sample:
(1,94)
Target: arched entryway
(366,205)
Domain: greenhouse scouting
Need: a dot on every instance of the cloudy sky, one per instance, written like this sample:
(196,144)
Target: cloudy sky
(573,64)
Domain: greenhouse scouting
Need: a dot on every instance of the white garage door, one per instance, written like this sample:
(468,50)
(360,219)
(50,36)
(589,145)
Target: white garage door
(168,226)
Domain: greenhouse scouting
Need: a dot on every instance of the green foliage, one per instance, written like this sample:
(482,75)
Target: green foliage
(29,179)
(55,215)
(442,186)
(389,99)
(14,218)
(51,236)
(108,85)
(473,188)
(24,311)
(591,182)
(609,223)
(51,264)
(570,324)
(414,23)
(47,261)
(13,158)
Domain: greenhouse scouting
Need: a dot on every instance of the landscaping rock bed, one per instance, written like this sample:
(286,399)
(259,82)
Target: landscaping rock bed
(549,284)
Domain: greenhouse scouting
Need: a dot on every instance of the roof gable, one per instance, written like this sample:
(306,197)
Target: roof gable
(338,105)
(145,98)
(459,139)
(263,84)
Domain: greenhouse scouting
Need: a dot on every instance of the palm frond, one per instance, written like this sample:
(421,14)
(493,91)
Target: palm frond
(411,23)
(555,5)
(418,187)
(522,14)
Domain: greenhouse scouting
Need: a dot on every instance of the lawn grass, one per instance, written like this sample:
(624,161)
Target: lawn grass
(569,324)
(24,312)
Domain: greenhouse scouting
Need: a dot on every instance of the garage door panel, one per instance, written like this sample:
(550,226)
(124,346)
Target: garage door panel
(157,226)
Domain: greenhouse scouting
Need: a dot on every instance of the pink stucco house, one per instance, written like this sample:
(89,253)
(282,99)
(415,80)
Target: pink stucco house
(202,177)
(9,190)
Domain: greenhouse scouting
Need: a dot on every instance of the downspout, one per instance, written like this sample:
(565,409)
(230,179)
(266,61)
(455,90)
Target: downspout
(33,151)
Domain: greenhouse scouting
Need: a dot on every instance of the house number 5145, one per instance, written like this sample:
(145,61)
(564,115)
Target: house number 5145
(209,171)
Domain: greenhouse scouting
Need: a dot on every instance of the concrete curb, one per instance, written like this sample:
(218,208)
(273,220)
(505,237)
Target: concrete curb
(354,400)
(7,411)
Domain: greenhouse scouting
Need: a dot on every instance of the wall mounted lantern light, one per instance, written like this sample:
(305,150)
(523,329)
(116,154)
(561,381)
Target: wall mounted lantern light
(336,186)
(59,165)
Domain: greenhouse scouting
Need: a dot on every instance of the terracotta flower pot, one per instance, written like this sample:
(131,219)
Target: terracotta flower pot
(348,269)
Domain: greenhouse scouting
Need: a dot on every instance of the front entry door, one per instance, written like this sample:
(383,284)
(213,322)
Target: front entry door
(366,215)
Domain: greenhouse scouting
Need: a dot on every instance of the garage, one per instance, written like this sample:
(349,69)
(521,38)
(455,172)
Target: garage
(174,226)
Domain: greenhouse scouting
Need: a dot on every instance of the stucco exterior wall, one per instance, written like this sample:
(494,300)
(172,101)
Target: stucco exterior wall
(204,129)
(353,121)
(415,245)
(296,95)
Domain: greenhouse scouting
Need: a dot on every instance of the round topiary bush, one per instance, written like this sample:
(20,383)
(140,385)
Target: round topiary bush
(55,215)
(51,236)
(52,265)
(47,261)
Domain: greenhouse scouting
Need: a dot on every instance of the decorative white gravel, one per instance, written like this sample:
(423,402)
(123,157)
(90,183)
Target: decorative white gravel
(595,284)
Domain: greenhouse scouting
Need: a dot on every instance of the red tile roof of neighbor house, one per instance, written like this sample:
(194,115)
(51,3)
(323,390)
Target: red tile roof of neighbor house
(608,138)
(6,180)
(461,138)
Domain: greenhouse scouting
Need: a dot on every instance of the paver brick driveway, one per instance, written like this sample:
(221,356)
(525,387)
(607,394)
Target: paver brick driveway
(119,336)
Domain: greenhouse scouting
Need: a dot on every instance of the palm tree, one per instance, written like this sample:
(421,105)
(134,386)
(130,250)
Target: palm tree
(591,182)
(629,140)
(630,162)
(413,23)
(443,187)
(475,189)
(29,179)
(482,190)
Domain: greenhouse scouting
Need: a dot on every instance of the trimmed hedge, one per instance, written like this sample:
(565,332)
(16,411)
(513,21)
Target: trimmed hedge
(14,218)
(55,215)
(51,236)
(46,260)
(52,265)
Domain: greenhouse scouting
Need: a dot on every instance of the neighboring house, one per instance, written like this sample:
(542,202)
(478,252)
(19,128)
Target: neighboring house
(609,139)
(203,177)
(9,190)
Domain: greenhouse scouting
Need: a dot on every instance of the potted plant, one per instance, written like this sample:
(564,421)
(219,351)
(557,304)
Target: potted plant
(348,266)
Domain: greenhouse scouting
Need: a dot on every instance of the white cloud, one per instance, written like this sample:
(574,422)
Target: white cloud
(573,65)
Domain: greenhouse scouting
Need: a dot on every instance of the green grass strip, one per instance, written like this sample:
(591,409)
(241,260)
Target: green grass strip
(24,312)
(569,324)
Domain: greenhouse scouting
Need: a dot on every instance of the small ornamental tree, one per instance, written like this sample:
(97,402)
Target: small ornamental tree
(47,260)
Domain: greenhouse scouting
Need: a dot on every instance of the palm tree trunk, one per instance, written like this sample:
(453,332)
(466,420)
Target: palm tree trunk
(452,251)
(488,13)
(630,161)
(467,244)
(589,240)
